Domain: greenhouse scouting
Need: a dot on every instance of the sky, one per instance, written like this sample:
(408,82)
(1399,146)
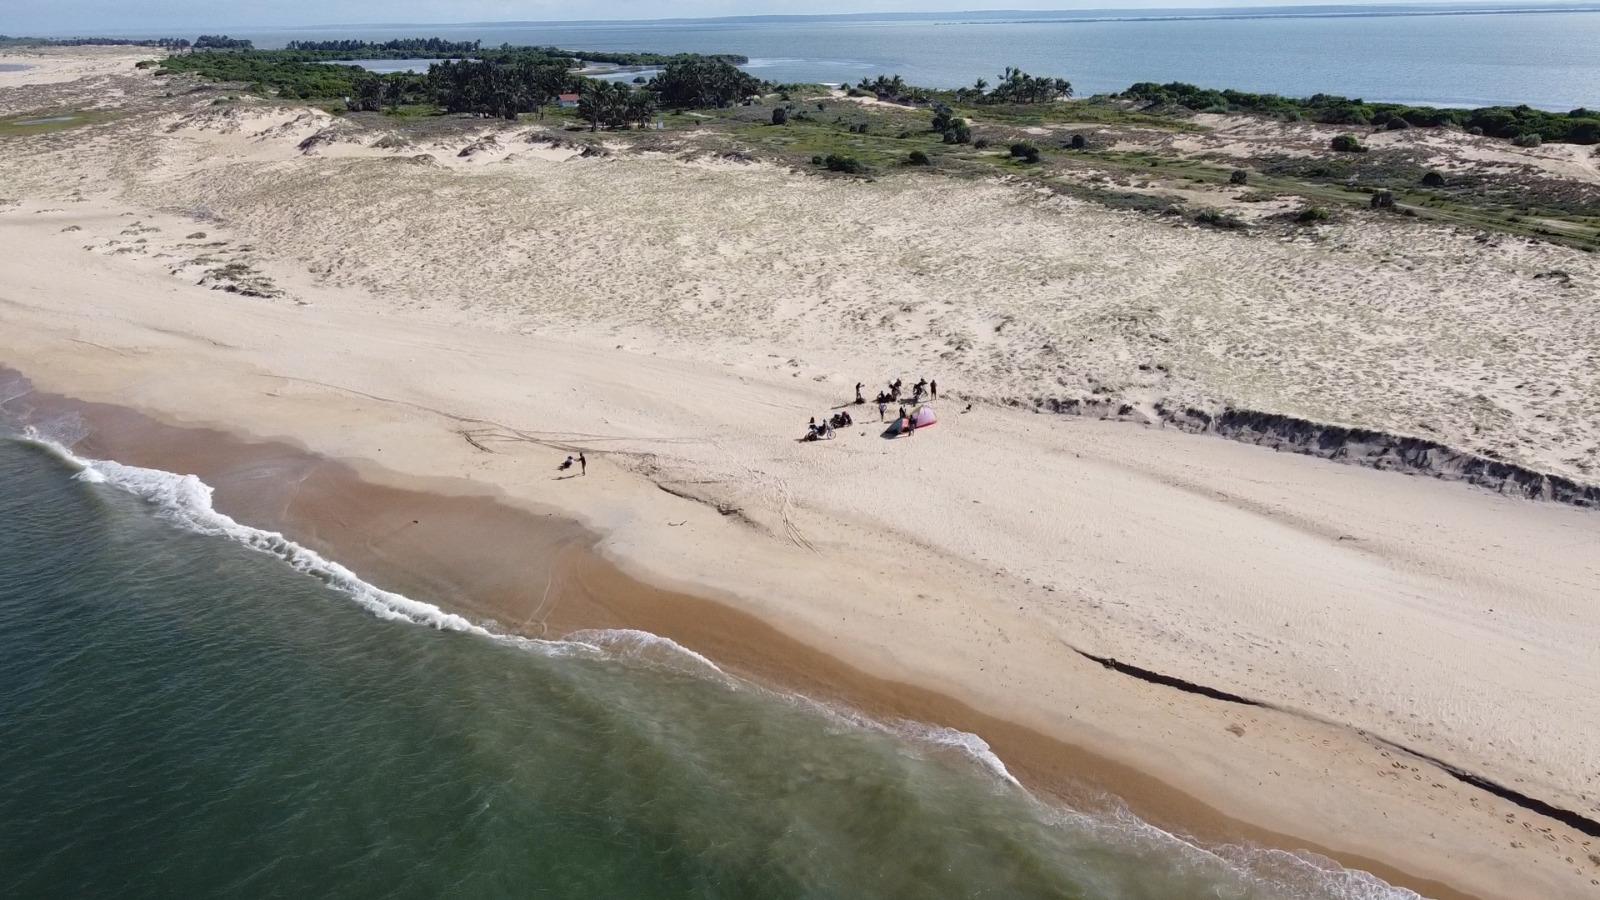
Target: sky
(95,17)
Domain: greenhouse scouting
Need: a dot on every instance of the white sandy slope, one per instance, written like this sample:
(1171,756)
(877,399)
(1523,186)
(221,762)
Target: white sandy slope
(1457,622)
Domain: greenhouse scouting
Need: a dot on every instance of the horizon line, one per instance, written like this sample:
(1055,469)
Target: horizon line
(1375,9)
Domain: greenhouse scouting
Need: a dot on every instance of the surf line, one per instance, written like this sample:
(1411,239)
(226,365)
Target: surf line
(186,501)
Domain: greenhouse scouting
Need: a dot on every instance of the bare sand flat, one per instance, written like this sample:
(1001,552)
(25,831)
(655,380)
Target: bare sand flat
(463,322)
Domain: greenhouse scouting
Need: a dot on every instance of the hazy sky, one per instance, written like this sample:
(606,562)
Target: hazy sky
(107,16)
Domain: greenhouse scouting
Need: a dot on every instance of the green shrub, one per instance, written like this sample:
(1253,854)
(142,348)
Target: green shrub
(918,158)
(1217,219)
(1311,215)
(1433,180)
(1025,151)
(1531,139)
(1238,176)
(1347,143)
(1078,142)
(780,116)
(980,144)
(846,164)
(958,132)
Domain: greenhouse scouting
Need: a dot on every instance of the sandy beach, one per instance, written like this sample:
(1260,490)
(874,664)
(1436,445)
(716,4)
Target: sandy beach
(441,327)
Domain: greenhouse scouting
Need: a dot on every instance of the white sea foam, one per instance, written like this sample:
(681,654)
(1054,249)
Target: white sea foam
(642,645)
(185,500)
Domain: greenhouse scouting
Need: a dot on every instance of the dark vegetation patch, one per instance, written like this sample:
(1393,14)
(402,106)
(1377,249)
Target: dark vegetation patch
(1578,126)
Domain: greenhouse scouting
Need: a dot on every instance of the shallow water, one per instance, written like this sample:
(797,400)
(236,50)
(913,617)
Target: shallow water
(196,714)
(1463,59)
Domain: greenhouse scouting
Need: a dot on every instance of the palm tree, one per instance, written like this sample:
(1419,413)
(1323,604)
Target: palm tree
(641,105)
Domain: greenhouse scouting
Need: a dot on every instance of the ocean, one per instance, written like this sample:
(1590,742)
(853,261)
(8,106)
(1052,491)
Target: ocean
(190,707)
(1441,55)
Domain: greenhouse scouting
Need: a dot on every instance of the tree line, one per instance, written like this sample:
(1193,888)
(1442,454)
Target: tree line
(420,48)
(502,87)
(1523,124)
(222,42)
(504,90)
(1013,86)
(7,40)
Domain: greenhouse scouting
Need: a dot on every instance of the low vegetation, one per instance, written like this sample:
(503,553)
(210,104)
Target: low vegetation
(1346,143)
(1579,126)
(7,40)
(1030,120)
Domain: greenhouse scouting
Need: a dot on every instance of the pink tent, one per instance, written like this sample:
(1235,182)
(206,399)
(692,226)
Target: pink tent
(922,415)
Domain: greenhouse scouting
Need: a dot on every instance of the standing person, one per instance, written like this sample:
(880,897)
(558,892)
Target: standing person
(859,398)
(583,463)
(934,387)
(882,407)
(911,424)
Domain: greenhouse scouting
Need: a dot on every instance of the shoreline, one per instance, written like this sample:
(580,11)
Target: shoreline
(328,507)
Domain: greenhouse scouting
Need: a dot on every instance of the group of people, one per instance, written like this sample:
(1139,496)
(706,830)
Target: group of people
(894,392)
(822,431)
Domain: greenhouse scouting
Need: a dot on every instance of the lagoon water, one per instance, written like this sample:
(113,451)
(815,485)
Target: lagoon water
(1544,59)
(184,716)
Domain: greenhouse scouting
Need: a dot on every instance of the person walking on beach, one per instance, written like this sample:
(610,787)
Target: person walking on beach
(933,388)
(583,464)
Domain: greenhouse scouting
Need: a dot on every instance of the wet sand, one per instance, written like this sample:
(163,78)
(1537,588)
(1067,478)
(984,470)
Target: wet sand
(536,573)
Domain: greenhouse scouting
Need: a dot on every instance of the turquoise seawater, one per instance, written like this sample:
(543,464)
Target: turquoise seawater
(192,709)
